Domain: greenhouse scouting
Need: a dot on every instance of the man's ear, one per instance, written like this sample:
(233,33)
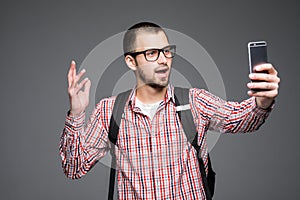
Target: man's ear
(131,62)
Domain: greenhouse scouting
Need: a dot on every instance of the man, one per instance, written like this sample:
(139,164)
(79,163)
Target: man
(154,159)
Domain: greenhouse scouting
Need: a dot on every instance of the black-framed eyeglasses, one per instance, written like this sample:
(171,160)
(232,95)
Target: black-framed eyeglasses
(152,55)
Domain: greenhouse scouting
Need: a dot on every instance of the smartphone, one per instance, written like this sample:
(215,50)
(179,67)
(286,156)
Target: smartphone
(257,52)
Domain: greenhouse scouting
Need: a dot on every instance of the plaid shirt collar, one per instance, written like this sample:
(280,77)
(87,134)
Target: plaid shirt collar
(169,97)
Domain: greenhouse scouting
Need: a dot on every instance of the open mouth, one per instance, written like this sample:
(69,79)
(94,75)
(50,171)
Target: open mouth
(162,73)
(162,70)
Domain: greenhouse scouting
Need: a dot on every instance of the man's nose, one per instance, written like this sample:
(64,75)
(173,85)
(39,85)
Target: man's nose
(162,59)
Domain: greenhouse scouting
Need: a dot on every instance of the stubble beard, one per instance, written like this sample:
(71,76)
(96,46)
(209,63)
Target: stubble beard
(153,82)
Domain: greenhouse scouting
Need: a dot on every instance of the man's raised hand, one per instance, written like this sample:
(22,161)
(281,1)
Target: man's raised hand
(78,91)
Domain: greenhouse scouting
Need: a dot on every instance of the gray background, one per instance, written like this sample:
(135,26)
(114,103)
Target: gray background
(39,39)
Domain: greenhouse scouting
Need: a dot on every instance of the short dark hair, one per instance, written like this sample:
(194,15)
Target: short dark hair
(130,35)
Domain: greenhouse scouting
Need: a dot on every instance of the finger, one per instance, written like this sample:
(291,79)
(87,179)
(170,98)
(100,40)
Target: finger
(262,86)
(71,72)
(78,77)
(264,77)
(87,87)
(73,75)
(266,67)
(80,85)
(266,94)
(80,74)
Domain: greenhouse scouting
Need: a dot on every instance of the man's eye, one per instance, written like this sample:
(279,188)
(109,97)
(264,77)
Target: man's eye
(151,53)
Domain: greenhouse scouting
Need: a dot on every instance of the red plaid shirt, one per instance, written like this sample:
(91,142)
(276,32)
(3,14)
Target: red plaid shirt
(154,158)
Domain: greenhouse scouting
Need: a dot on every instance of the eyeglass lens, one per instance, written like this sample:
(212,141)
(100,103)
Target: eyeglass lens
(153,54)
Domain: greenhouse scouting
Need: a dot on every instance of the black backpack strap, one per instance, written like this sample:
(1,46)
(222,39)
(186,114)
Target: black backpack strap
(182,103)
(184,112)
(115,121)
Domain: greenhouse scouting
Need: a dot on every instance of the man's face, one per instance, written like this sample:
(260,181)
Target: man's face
(156,73)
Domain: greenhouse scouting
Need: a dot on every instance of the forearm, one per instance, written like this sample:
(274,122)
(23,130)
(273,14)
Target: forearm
(71,148)
(77,146)
(228,117)
(246,116)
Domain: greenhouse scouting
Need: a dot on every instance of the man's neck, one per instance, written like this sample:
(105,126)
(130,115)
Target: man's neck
(148,94)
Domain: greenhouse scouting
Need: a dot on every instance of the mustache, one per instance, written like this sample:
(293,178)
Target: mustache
(161,68)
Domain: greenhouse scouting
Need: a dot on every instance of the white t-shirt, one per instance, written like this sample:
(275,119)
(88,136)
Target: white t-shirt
(147,109)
